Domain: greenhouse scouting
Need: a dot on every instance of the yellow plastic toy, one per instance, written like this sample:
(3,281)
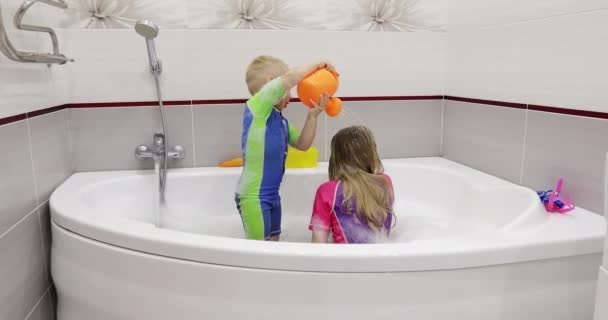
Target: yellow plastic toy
(297,159)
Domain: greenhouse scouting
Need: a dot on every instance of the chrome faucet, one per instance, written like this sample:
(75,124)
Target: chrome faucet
(159,153)
(157,150)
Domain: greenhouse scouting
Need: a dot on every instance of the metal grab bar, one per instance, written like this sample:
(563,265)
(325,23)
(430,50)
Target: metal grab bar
(12,53)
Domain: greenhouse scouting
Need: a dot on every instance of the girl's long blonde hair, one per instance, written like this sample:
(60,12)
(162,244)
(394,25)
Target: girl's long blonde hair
(354,161)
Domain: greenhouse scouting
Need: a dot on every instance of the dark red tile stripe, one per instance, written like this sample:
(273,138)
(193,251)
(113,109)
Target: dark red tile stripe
(567,111)
(572,112)
(391,98)
(46,111)
(12,119)
(379,98)
(127,104)
(218,101)
(489,102)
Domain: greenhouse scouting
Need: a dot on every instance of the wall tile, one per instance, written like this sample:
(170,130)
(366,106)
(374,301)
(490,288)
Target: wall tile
(23,86)
(601,307)
(296,113)
(571,147)
(121,14)
(499,12)
(22,271)
(546,62)
(489,63)
(44,214)
(105,138)
(51,152)
(404,63)
(53,300)
(17,190)
(402,129)
(293,14)
(485,137)
(605,261)
(379,15)
(217,133)
(568,64)
(42,311)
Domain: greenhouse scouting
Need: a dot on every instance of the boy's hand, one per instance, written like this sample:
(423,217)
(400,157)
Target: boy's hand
(319,107)
(323,64)
(294,76)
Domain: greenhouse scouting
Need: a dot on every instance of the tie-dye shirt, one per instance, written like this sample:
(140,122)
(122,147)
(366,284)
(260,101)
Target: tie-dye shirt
(330,215)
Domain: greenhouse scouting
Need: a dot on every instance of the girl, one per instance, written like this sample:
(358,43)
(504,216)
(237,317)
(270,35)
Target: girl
(356,206)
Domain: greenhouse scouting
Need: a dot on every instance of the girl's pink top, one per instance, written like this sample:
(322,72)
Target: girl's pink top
(329,214)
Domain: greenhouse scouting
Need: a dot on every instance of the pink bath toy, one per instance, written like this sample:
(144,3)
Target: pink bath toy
(553,200)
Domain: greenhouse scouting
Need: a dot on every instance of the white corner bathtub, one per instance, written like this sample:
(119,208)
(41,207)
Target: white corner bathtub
(466,246)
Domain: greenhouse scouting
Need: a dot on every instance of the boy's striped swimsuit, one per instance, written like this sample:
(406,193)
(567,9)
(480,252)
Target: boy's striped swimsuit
(266,136)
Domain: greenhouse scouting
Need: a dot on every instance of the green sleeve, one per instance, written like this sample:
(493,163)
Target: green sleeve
(261,103)
(294,134)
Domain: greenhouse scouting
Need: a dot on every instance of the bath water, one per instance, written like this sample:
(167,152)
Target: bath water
(347,117)
(158,208)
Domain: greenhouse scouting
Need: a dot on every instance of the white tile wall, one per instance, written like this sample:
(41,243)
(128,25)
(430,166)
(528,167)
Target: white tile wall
(120,130)
(42,310)
(605,262)
(23,269)
(38,161)
(601,299)
(557,61)
(112,64)
(571,147)
(28,87)
(217,131)
(487,64)
(488,138)
(467,14)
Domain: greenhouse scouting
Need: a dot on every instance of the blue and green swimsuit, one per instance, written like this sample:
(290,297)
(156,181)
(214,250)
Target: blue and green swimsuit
(266,136)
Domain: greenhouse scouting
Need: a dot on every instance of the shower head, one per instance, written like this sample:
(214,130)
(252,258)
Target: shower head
(149,31)
(146,29)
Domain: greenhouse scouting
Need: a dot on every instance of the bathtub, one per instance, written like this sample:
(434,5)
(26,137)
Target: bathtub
(467,245)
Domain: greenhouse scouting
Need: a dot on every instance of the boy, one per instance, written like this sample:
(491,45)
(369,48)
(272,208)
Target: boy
(266,136)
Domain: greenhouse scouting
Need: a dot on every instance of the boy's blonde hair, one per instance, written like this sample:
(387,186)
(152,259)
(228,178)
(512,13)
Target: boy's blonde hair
(260,68)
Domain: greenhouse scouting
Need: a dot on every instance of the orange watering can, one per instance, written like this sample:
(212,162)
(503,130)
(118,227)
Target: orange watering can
(318,83)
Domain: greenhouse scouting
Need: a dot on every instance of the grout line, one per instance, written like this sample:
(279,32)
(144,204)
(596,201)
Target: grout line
(21,220)
(38,302)
(71,147)
(46,266)
(326,140)
(193,135)
(53,315)
(523,153)
(540,18)
(29,138)
(441,130)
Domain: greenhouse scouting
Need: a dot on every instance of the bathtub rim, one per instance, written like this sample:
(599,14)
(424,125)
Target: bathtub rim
(393,257)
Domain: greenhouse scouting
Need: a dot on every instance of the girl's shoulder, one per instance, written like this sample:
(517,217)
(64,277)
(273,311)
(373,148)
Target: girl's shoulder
(329,185)
(327,191)
(387,177)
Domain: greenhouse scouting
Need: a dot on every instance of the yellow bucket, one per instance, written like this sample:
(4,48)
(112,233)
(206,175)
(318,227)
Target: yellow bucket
(302,159)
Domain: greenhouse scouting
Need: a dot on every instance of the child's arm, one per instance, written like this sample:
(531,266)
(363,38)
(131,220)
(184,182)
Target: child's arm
(319,236)
(261,103)
(297,74)
(307,137)
(320,221)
